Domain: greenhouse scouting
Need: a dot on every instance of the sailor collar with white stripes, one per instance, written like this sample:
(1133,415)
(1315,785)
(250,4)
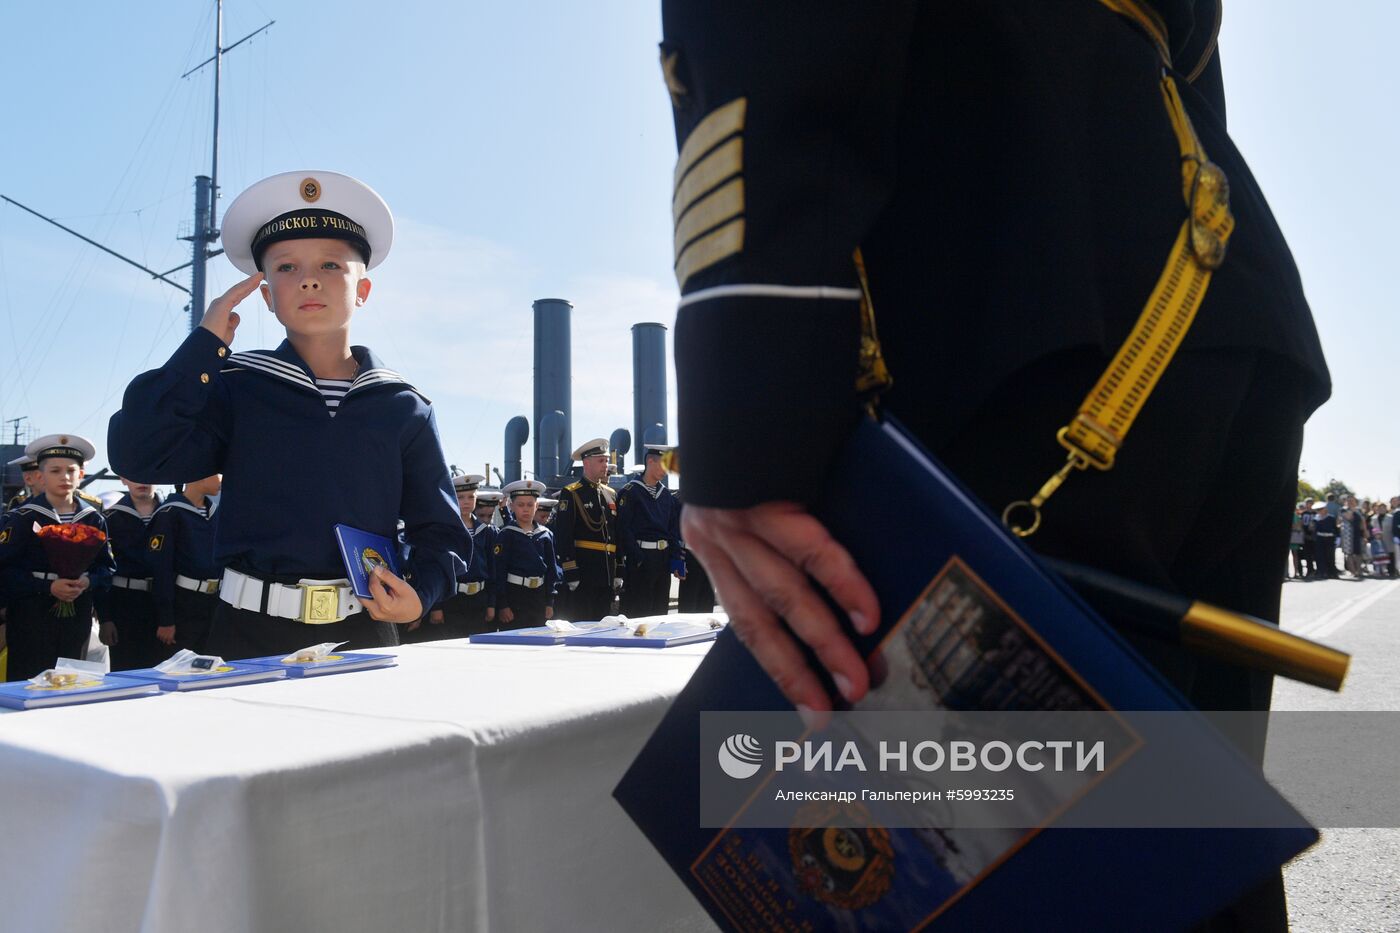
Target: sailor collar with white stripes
(32,505)
(180,501)
(654,491)
(127,505)
(533,533)
(286,364)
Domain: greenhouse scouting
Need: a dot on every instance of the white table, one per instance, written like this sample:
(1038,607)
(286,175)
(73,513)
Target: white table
(467,788)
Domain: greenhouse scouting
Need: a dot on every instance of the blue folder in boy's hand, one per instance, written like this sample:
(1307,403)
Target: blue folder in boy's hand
(362,551)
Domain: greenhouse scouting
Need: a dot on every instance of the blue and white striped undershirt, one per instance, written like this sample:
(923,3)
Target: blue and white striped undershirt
(332,390)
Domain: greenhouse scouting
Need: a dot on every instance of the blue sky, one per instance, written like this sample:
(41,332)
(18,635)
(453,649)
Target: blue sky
(526,150)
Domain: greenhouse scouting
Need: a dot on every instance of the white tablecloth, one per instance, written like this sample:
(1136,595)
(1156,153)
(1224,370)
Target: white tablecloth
(467,788)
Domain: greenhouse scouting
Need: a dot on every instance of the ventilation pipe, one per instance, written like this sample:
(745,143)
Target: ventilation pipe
(553,379)
(648,386)
(517,433)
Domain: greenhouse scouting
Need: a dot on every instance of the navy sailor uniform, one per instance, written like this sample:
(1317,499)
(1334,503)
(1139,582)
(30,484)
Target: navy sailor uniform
(464,611)
(37,637)
(181,548)
(525,574)
(378,460)
(648,528)
(128,603)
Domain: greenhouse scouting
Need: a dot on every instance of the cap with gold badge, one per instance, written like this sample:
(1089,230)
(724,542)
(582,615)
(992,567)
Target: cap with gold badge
(598,447)
(306,205)
(467,482)
(72,446)
(524,487)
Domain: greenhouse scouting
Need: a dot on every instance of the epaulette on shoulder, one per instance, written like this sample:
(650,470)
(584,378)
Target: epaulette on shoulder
(575,486)
(89,497)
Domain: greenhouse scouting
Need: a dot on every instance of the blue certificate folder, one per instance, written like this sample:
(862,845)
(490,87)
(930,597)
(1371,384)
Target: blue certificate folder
(988,588)
(361,550)
(24,695)
(665,635)
(229,674)
(332,664)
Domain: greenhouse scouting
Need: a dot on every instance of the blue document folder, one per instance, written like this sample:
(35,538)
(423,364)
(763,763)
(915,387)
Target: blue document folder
(538,635)
(22,694)
(228,674)
(664,635)
(334,663)
(361,551)
(964,601)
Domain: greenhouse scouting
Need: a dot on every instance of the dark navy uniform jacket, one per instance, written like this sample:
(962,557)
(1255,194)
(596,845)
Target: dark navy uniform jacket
(646,513)
(1007,169)
(21,552)
(180,542)
(291,471)
(585,526)
(525,554)
(481,567)
(126,529)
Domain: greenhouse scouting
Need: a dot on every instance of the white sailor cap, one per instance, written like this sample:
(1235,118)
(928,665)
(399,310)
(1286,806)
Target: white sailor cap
(71,446)
(598,447)
(467,482)
(306,205)
(524,487)
(24,462)
(658,450)
(547,503)
(487,495)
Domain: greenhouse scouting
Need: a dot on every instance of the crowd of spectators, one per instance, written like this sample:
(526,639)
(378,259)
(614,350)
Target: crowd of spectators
(1335,535)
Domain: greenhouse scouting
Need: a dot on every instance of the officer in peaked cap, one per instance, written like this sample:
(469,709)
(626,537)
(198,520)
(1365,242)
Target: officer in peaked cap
(585,533)
(648,529)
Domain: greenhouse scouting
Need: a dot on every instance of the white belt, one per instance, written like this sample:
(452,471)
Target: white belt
(314,602)
(139,584)
(40,575)
(530,583)
(470,589)
(199,586)
(653,545)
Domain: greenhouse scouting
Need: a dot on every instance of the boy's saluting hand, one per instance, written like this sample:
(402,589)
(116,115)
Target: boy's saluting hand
(219,318)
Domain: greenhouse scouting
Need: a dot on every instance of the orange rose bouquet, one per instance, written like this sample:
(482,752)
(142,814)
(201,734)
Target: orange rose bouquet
(70,550)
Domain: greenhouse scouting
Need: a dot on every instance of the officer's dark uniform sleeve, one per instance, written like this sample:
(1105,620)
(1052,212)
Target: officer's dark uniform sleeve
(174,423)
(433,525)
(785,116)
(163,536)
(551,566)
(564,517)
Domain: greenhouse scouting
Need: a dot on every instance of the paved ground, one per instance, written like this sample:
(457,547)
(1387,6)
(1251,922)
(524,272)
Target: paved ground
(1350,881)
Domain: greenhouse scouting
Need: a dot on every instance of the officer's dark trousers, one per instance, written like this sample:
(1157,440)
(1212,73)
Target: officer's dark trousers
(1199,503)
(241,633)
(134,614)
(37,637)
(527,604)
(647,590)
(194,618)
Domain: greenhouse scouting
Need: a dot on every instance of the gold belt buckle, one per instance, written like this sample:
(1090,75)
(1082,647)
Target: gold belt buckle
(320,605)
(534,583)
(209,586)
(661,545)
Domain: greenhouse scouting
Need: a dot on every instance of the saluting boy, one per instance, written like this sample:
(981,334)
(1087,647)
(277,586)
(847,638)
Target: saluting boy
(358,443)
(40,630)
(526,573)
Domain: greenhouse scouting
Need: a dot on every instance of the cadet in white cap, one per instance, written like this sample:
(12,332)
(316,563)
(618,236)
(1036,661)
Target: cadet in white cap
(29,480)
(368,439)
(488,499)
(469,609)
(585,531)
(526,574)
(51,616)
(649,530)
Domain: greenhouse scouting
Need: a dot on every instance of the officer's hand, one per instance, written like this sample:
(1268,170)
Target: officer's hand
(760,559)
(107,633)
(394,600)
(549,612)
(490,613)
(415,625)
(165,634)
(507,615)
(219,318)
(436,617)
